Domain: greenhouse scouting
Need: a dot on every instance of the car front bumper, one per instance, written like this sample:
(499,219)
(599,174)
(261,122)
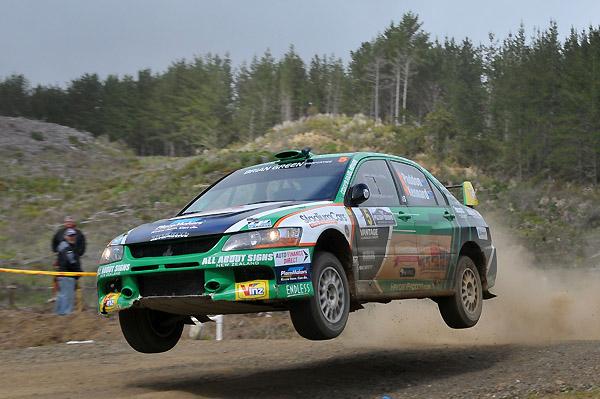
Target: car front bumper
(210,283)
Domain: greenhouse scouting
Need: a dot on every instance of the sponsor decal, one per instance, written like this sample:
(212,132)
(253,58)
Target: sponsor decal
(293,257)
(342,159)
(298,289)
(348,176)
(383,217)
(237,260)
(293,274)
(110,302)
(169,236)
(411,286)
(414,186)
(251,290)
(407,272)
(369,233)
(175,228)
(291,165)
(178,225)
(368,255)
(474,213)
(374,217)
(482,233)
(460,211)
(369,221)
(318,218)
(113,270)
(258,224)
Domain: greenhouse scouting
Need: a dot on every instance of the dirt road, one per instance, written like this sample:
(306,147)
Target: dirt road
(299,369)
(540,337)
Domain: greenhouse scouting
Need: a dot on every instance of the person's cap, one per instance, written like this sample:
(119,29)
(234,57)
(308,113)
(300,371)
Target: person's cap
(69,219)
(70,232)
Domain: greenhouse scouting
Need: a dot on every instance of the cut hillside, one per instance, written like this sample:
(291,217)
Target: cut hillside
(49,171)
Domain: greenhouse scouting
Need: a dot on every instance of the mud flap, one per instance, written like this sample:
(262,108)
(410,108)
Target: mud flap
(488,295)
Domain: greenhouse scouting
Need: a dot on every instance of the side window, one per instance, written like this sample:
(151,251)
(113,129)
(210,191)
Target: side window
(438,195)
(414,184)
(376,175)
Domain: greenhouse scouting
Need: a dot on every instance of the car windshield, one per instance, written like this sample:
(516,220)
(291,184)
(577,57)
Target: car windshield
(311,180)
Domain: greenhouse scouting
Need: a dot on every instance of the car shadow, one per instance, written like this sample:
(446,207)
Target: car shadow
(366,374)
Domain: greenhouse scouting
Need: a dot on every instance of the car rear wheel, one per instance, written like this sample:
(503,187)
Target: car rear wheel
(463,309)
(150,331)
(324,315)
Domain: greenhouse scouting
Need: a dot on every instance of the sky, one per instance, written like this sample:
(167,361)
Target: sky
(52,42)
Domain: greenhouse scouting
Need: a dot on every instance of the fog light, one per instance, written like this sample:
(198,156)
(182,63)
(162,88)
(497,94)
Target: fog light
(212,285)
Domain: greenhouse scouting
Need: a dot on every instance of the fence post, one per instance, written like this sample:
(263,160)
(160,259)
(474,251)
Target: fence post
(10,290)
(196,329)
(219,332)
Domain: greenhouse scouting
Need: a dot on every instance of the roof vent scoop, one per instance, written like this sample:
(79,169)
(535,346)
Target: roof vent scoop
(293,155)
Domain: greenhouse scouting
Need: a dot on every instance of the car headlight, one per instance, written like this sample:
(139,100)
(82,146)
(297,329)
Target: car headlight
(112,253)
(283,237)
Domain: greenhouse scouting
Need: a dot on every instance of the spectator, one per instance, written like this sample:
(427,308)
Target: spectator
(69,223)
(68,261)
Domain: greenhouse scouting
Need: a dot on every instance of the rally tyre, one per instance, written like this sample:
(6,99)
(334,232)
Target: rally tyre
(463,309)
(324,315)
(150,331)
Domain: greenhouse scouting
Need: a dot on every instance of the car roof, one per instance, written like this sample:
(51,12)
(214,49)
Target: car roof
(354,155)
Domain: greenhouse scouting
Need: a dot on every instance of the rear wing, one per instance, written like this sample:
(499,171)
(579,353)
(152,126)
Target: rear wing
(469,197)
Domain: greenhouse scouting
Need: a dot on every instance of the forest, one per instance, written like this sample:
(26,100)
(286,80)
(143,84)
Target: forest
(524,106)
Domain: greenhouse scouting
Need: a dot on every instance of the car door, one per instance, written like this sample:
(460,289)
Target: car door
(383,229)
(433,221)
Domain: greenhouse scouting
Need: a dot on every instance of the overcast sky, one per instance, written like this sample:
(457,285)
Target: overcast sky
(54,41)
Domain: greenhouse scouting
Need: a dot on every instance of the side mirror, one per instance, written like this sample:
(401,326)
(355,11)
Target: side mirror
(469,196)
(359,193)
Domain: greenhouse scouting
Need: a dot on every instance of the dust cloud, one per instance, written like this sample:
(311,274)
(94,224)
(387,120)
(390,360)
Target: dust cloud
(534,305)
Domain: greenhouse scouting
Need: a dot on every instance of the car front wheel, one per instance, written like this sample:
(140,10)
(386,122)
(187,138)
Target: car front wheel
(324,315)
(150,331)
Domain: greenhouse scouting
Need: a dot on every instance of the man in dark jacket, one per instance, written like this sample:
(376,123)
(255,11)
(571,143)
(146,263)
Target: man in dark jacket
(68,261)
(69,223)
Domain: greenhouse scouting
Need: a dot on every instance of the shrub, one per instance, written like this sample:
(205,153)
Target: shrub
(37,136)
(74,140)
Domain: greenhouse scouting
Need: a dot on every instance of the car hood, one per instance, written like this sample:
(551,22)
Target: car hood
(201,223)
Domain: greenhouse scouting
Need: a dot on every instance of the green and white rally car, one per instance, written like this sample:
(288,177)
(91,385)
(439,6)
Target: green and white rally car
(316,235)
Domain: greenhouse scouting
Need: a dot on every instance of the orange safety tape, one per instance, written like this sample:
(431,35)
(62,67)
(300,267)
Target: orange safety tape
(47,273)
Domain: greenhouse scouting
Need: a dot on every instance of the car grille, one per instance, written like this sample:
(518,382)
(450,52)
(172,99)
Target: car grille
(172,248)
(172,284)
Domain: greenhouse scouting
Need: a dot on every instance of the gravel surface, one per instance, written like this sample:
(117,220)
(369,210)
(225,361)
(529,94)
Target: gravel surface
(297,368)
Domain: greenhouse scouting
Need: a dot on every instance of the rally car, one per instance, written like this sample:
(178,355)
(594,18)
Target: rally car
(315,235)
